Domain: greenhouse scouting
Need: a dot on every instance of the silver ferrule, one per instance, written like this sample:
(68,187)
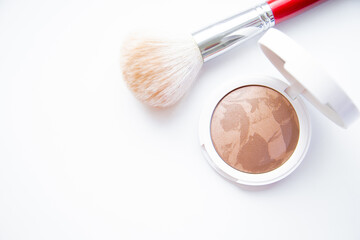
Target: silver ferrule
(224,35)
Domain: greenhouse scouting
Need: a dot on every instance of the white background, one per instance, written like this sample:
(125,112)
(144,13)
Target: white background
(80,158)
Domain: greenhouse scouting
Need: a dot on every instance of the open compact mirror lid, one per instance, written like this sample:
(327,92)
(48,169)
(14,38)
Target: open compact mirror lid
(308,78)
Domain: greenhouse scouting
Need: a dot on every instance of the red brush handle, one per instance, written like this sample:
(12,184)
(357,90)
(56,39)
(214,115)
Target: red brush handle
(283,9)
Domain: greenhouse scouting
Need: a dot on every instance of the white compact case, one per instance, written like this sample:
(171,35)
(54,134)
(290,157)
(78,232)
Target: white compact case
(306,78)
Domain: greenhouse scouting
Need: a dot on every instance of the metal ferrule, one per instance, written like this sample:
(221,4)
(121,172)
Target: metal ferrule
(222,36)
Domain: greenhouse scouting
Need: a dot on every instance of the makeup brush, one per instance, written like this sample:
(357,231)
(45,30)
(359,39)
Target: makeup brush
(160,68)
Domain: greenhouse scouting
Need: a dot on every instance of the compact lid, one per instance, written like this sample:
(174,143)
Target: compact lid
(308,78)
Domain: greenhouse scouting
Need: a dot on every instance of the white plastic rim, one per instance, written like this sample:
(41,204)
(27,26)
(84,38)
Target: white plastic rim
(250,179)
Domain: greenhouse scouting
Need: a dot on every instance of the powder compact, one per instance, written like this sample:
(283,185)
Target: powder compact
(258,132)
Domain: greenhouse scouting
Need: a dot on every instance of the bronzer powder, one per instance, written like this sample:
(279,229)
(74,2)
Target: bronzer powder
(254,129)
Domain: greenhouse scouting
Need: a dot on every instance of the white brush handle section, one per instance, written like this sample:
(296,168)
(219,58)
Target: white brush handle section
(226,34)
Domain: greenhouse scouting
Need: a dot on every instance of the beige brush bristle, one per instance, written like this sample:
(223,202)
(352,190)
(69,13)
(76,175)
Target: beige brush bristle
(160,69)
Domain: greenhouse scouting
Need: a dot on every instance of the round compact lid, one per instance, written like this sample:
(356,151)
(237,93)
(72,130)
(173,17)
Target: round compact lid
(308,78)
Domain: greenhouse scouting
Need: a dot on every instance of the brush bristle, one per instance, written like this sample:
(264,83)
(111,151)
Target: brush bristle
(160,69)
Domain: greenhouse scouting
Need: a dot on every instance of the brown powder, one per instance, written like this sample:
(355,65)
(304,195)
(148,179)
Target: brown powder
(254,129)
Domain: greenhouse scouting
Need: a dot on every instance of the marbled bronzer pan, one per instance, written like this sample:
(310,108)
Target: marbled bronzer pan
(254,129)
